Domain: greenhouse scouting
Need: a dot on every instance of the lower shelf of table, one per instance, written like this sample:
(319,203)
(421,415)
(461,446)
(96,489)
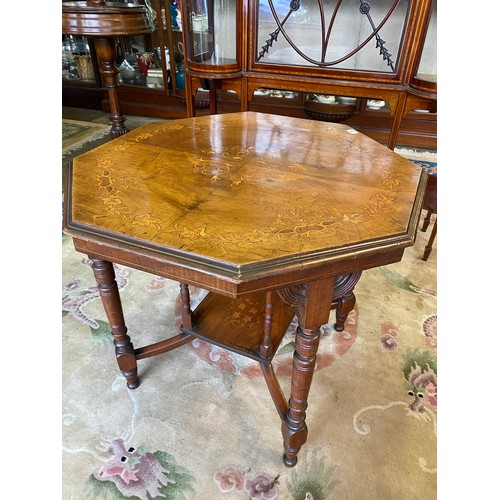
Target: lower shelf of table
(238,324)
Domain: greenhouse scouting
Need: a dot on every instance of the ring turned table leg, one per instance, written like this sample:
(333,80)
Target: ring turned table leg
(344,306)
(343,299)
(311,316)
(110,296)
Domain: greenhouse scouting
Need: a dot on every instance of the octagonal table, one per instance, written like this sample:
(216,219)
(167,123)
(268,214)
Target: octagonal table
(274,216)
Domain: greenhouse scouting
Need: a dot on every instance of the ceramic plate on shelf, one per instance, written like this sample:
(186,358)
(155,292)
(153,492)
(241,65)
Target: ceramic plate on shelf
(375,103)
(326,99)
(346,100)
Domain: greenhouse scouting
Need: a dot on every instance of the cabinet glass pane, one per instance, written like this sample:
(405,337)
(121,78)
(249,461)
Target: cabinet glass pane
(427,69)
(212,33)
(340,34)
(76,59)
(139,63)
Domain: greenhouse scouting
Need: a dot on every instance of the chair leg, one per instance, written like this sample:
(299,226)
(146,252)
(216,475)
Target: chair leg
(427,220)
(428,247)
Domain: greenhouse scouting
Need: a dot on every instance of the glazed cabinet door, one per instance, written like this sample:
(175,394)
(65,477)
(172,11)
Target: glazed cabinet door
(213,30)
(349,39)
(425,76)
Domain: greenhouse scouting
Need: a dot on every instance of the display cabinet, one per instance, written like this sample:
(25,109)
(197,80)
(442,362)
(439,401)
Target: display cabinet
(102,22)
(150,66)
(147,64)
(369,65)
(365,63)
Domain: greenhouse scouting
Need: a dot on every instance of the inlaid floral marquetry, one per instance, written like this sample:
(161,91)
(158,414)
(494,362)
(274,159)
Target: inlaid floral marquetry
(245,187)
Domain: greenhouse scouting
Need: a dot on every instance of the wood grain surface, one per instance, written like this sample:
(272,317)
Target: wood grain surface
(246,188)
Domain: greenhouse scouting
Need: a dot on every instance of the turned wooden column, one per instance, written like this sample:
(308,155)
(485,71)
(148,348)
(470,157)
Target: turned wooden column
(311,316)
(106,54)
(108,289)
(103,21)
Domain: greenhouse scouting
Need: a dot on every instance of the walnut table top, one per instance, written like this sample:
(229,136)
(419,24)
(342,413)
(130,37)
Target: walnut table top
(246,195)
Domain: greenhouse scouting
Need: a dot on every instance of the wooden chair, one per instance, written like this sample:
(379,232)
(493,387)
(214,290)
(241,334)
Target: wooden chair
(430,204)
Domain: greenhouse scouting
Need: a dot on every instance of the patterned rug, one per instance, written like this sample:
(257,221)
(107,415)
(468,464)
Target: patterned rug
(202,424)
(76,134)
(79,137)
